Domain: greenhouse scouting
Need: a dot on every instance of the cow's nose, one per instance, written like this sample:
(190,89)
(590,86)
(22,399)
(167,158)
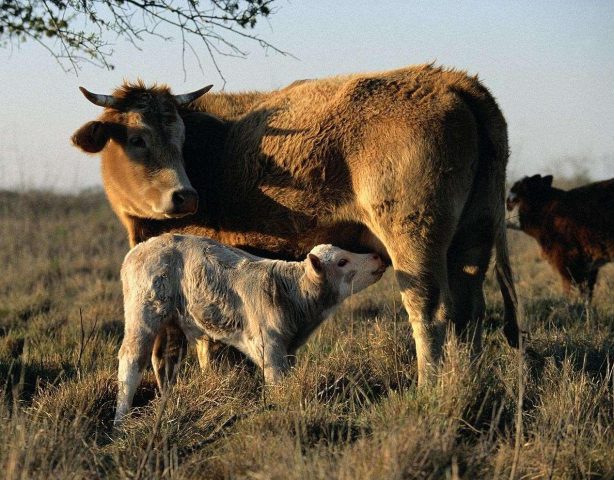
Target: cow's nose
(376,256)
(185,201)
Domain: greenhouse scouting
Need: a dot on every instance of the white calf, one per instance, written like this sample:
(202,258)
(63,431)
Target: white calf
(264,308)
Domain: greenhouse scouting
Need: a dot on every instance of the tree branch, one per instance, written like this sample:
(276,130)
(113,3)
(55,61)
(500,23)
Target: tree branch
(81,29)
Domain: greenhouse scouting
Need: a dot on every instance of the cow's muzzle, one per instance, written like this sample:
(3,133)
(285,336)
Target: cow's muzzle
(183,202)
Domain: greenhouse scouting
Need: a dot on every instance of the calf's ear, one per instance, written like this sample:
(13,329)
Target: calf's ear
(315,264)
(547,180)
(91,137)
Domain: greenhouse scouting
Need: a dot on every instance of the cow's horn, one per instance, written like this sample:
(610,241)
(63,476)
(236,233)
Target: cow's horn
(100,100)
(190,97)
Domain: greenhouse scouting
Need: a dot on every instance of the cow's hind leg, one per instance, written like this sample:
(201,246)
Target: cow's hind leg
(468,260)
(419,260)
(417,237)
(426,297)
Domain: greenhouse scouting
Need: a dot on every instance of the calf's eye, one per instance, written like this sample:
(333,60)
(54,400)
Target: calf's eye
(342,263)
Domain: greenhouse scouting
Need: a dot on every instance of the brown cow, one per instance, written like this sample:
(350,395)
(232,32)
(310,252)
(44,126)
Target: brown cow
(408,163)
(575,228)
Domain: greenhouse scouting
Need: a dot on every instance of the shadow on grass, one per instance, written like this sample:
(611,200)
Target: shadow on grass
(570,328)
(23,381)
(146,392)
(596,361)
(557,313)
(330,433)
(15,317)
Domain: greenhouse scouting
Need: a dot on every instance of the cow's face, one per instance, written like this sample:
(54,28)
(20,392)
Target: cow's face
(141,135)
(528,188)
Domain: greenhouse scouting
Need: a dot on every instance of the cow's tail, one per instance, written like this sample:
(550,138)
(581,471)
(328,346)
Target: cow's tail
(493,159)
(503,270)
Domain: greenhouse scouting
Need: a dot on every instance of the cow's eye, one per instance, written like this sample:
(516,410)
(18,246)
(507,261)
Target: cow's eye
(137,141)
(342,263)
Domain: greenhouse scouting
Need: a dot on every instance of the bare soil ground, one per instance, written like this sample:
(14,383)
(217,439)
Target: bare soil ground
(349,410)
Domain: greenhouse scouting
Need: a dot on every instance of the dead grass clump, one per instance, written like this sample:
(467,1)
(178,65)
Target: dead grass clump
(349,409)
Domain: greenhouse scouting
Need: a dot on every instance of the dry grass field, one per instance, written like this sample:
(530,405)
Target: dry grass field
(349,410)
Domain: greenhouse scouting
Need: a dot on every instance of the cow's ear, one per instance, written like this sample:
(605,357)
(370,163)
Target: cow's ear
(547,180)
(315,264)
(91,137)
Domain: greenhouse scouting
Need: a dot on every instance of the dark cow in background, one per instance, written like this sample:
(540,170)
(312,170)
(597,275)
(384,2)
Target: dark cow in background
(574,228)
(408,163)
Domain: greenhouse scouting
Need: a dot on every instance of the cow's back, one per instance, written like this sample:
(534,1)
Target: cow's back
(312,114)
(323,135)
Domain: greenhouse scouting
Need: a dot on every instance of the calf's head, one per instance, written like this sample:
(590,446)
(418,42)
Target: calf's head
(140,135)
(341,271)
(529,189)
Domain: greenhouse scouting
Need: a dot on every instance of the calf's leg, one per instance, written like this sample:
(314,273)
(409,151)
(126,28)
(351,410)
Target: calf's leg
(170,347)
(204,353)
(275,366)
(269,353)
(213,353)
(577,272)
(137,345)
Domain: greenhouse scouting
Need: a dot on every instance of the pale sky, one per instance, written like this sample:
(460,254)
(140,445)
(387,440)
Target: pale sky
(549,64)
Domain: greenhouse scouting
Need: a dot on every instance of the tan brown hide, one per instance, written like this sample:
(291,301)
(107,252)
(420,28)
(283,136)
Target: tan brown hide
(409,163)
